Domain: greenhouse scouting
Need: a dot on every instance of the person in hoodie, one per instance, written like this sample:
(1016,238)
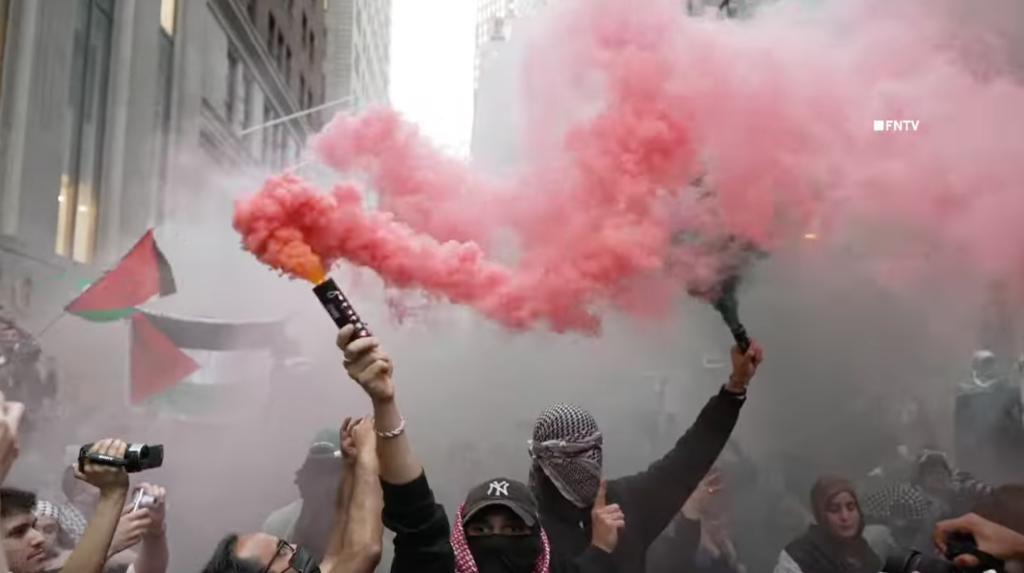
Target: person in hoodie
(497,530)
(835,543)
(567,455)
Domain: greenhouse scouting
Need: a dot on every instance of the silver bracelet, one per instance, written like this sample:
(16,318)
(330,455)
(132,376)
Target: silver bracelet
(390,434)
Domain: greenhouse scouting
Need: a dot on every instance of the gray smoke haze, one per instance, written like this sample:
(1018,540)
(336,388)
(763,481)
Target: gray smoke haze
(844,354)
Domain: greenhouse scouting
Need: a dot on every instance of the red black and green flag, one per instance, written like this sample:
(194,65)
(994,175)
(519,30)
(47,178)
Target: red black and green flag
(140,275)
(157,364)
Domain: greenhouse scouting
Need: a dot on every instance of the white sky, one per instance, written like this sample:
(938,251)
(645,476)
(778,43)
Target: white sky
(432,51)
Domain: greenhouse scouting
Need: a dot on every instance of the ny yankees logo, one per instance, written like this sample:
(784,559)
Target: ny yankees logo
(498,488)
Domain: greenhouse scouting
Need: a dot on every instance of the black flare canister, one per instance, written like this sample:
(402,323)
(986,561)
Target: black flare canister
(727,304)
(340,309)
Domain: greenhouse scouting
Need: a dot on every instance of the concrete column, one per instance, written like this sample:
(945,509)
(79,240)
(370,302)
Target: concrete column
(46,129)
(140,184)
(20,53)
(118,87)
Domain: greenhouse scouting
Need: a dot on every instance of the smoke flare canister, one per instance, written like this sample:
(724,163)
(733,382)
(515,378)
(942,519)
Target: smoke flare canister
(339,308)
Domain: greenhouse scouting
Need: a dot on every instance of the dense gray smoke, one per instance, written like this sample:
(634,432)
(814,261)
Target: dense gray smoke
(854,368)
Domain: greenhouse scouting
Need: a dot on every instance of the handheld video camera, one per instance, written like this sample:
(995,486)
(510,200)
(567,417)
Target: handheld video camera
(911,560)
(137,457)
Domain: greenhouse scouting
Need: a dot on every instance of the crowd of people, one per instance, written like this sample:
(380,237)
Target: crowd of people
(704,506)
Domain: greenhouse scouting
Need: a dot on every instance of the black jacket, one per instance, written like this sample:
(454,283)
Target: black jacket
(420,526)
(649,499)
(422,535)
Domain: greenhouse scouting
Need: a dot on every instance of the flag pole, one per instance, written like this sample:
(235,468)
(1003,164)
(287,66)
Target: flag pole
(52,322)
(304,112)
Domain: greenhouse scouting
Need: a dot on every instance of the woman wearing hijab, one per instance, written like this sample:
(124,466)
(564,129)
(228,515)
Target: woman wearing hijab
(567,454)
(497,530)
(834,544)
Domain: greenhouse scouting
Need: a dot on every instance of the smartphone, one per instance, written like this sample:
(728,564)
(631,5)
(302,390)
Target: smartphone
(142,500)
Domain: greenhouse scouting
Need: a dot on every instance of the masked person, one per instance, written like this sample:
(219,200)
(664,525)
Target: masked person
(307,521)
(567,453)
(497,530)
(835,542)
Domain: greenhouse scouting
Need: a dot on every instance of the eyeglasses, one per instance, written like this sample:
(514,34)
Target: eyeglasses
(299,562)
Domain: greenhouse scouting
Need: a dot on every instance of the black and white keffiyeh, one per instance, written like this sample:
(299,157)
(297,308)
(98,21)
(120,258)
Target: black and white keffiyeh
(566,445)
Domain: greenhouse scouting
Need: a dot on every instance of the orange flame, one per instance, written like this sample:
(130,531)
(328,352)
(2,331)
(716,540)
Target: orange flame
(288,251)
(312,270)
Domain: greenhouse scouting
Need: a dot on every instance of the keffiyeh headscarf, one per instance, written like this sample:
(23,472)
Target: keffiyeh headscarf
(72,521)
(566,445)
(901,501)
(464,562)
(46,509)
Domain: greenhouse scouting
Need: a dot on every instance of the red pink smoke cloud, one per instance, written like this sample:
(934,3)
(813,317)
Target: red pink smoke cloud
(628,103)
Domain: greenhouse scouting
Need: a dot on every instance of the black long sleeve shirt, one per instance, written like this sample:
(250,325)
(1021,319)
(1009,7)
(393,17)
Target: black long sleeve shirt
(649,499)
(422,535)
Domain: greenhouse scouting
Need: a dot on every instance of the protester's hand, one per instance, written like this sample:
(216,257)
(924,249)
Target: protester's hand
(107,478)
(131,528)
(348,441)
(744,366)
(10,420)
(365,437)
(367,364)
(991,538)
(698,502)
(158,511)
(606,521)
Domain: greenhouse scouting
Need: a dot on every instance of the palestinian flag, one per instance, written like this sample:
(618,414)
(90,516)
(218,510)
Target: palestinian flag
(140,275)
(157,364)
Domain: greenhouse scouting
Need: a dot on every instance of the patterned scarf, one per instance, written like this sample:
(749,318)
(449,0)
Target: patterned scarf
(899,501)
(72,521)
(46,509)
(566,446)
(464,562)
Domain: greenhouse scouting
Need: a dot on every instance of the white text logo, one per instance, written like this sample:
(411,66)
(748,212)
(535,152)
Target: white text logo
(896,124)
(498,488)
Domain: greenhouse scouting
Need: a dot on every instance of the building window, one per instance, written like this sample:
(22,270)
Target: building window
(167,16)
(305,27)
(271,34)
(165,75)
(312,47)
(78,199)
(247,112)
(267,134)
(280,49)
(302,88)
(287,64)
(232,93)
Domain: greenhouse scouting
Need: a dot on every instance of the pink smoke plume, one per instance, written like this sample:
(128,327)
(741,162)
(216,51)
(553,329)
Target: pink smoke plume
(776,111)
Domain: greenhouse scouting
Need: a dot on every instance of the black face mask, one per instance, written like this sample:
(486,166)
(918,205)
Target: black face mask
(505,553)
